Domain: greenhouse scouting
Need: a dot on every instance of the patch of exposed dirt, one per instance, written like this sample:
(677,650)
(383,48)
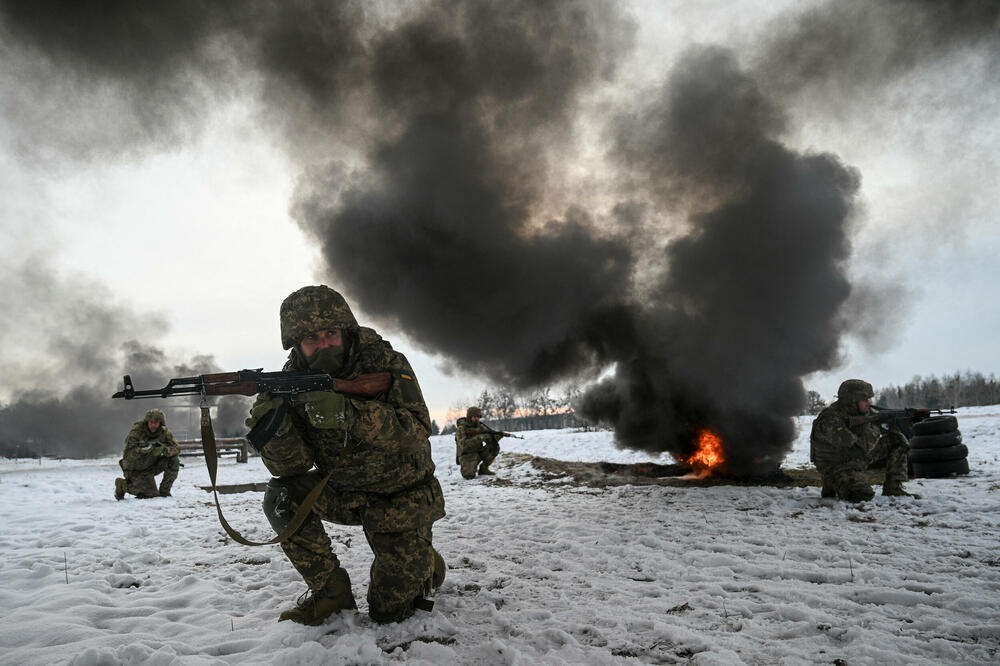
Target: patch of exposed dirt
(605,474)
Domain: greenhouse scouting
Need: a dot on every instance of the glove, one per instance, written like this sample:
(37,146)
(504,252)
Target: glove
(264,404)
(158,450)
(325,409)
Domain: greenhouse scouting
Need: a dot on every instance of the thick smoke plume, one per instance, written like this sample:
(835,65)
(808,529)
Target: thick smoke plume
(847,48)
(749,300)
(437,144)
(67,346)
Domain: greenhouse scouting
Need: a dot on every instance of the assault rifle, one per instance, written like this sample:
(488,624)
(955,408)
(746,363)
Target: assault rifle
(501,433)
(901,418)
(252,382)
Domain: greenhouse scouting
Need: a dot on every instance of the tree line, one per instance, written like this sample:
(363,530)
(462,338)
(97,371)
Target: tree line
(961,389)
(957,390)
(506,409)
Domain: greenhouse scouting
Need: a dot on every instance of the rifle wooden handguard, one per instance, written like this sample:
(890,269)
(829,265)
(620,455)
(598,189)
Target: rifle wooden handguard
(367,386)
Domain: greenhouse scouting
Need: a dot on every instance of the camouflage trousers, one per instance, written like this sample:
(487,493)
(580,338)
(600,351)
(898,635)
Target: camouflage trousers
(397,528)
(142,483)
(848,481)
(485,453)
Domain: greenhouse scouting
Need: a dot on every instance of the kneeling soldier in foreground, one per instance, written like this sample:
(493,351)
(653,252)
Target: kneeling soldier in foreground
(373,455)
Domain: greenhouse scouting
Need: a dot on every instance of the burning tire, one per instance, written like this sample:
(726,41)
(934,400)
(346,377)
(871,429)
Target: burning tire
(936,425)
(956,452)
(936,441)
(941,468)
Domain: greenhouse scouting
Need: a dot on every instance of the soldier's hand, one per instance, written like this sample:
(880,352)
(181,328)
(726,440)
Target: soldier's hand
(325,409)
(265,403)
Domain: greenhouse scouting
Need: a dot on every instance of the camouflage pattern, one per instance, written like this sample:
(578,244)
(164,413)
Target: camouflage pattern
(852,391)
(403,569)
(312,309)
(147,454)
(842,453)
(474,446)
(380,459)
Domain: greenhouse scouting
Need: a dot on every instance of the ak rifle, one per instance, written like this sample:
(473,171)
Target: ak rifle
(499,433)
(901,418)
(252,382)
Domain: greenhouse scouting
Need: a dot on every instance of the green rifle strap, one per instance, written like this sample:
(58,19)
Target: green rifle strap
(212,462)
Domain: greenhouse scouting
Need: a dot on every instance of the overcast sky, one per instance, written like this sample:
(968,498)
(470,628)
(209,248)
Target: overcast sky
(189,230)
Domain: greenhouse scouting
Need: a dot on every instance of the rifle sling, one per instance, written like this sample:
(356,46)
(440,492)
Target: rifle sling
(212,462)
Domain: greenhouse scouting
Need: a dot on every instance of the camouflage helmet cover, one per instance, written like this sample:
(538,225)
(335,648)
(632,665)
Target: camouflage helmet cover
(155,415)
(855,390)
(311,309)
(473,411)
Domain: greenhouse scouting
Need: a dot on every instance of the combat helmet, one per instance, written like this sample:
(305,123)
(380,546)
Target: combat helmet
(311,309)
(155,415)
(852,391)
(473,411)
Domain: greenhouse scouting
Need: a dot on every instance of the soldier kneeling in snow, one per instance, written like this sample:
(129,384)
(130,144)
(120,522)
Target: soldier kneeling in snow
(842,452)
(150,449)
(476,446)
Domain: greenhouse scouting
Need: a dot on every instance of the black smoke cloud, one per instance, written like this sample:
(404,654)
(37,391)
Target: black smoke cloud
(750,298)
(437,233)
(713,275)
(843,49)
(67,345)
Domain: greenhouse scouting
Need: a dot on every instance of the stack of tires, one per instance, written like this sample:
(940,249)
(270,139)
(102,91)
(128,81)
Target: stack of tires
(937,450)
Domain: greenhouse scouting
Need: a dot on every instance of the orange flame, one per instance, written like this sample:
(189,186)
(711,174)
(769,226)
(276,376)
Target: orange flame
(708,453)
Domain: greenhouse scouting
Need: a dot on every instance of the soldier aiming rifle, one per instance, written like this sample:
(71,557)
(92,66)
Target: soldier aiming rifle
(849,435)
(476,444)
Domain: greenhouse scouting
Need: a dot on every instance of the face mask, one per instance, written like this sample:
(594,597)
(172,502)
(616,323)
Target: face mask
(329,360)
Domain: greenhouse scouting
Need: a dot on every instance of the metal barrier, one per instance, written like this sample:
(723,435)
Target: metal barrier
(238,445)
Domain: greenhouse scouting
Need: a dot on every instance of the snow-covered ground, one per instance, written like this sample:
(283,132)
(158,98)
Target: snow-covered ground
(539,571)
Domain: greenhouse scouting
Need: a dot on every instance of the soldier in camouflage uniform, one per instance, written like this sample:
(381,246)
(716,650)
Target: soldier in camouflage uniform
(377,453)
(150,449)
(842,453)
(476,446)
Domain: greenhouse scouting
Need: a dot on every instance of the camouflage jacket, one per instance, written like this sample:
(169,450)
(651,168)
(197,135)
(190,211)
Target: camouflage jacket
(139,442)
(470,437)
(384,446)
(834,443)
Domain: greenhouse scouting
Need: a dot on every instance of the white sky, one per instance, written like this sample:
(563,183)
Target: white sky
(202,233)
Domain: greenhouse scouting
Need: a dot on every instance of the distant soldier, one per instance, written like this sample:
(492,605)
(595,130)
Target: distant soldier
(842,453)
(372,455)
(150,449)
(476,445)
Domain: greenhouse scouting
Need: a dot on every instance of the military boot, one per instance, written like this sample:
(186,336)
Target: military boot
(485,470)
(894,489)
(315,606)
(167,482)
(120,489)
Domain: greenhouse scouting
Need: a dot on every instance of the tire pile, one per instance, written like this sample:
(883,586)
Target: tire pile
(936,450)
